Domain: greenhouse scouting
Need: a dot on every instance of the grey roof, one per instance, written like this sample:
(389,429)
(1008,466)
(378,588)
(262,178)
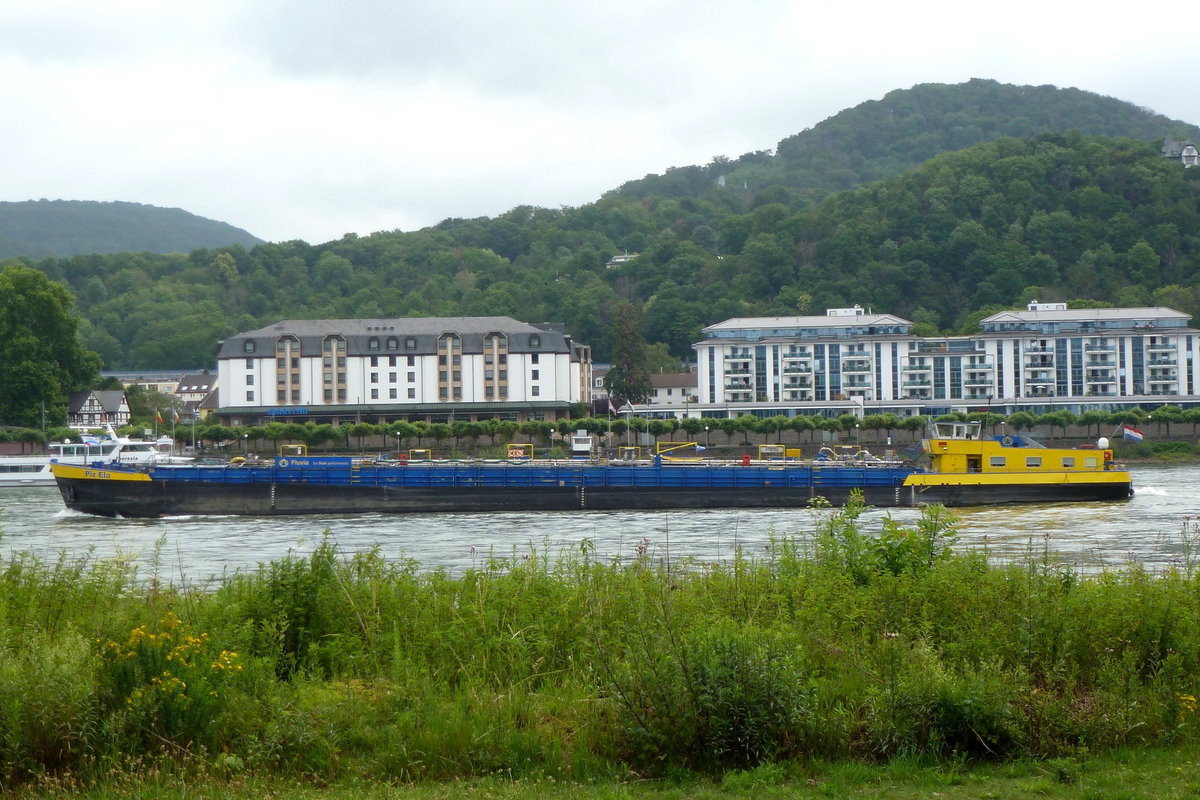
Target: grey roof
(109,399)
(1174,149)
(823,321)
(195,383)
(672,380)
(426,330)
(1087,314)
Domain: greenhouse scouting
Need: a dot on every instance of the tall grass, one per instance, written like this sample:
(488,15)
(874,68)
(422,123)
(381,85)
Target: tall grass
(845,644)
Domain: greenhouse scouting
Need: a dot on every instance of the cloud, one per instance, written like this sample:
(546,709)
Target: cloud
(306,119)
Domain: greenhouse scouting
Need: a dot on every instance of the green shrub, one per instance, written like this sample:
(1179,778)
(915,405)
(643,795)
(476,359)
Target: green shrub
(48,715)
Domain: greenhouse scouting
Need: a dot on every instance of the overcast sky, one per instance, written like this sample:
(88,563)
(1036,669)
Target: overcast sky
(309,119)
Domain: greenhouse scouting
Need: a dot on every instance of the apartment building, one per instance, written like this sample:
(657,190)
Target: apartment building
(852,360)
(432,368)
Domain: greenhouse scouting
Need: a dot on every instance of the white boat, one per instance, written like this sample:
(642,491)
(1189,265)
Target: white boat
(34,470)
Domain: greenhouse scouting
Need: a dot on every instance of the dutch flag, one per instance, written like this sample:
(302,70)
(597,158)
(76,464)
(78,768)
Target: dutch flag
(1131,433)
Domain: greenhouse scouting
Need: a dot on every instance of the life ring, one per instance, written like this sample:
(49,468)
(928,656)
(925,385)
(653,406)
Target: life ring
(1007,441)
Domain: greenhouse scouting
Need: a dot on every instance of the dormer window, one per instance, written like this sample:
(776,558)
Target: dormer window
(248,346)
(535,341)
(373,344)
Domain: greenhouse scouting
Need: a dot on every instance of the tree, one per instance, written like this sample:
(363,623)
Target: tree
(627,379)
(41,358)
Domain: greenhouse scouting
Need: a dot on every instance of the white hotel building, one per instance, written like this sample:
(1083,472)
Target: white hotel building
(1041,359)
(434,369)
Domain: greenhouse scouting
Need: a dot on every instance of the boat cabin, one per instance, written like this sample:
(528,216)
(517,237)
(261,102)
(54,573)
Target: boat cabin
(959,447)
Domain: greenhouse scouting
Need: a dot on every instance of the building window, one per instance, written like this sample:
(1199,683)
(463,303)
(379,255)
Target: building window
(391,361)
(329,377)
(534,374)
(392,343)
(329,395)
(391,377)
(249,380)
(392,393)
(249,363)
(250,396)
(410,344)
(341,395)
(535,391)
(248,347)
(374,377)
(374,361)
(281,363)
(535,341)
(412,377)
(412,394)
(412,361)
(374,394)
(282,395)
(373,343)
(295,395)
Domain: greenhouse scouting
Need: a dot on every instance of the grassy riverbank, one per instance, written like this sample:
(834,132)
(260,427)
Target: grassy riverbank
(822,657)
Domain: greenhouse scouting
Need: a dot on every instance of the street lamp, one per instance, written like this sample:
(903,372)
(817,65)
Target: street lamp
(705,437)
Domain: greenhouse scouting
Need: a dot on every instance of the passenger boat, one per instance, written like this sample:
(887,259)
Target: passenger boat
(34,470)
(960,469)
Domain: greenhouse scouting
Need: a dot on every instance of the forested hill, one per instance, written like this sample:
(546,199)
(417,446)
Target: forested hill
(58,228)
(883,138)
(1057,217)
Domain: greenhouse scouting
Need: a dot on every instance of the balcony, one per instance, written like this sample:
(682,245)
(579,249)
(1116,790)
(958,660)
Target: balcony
(738,387)
(803,368)
(1160,347)
(1100,364)
(1100,348)
(1162,362)
(977,382)
(1039,379)
(855,365)
(916,384)
(917,368)
(1039,348)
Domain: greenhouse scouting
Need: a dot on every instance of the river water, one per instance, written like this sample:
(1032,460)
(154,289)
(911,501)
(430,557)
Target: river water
(1149,529)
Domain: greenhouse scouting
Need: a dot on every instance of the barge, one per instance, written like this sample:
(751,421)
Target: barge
(957,468)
